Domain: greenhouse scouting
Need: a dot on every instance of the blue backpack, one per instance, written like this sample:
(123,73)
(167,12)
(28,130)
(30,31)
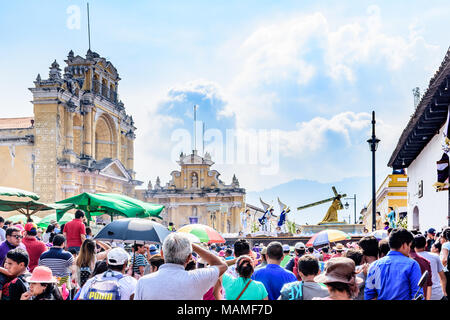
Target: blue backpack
(104,287)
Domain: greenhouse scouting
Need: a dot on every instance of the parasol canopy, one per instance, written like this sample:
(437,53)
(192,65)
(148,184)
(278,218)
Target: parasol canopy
(29,208)
(203,232)
(133,230)
(23,218)
(45,221)
(96,204)
(14,192)
(327,236)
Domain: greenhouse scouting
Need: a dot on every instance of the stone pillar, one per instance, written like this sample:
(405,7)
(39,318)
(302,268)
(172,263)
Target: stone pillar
(130,150)
(68,126)
(87,133)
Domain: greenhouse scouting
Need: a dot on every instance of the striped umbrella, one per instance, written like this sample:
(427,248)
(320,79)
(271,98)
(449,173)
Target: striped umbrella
(204,233)
(327,236)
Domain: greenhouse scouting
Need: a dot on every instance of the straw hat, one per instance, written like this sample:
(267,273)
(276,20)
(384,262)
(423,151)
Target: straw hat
(41,274)
(339,247)
(339,270)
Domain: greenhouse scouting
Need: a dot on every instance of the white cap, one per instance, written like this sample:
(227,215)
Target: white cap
(117,256)
(300,245)
(286,247)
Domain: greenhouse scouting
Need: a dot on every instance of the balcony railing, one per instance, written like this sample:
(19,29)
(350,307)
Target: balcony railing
(105,92)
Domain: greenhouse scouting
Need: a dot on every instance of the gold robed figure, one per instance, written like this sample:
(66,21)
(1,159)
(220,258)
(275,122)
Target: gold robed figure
(332,215)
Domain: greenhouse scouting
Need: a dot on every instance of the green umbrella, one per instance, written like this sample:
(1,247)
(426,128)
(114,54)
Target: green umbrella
(95,204)
(14,192)
(21,217)
(45,221)
(28,208)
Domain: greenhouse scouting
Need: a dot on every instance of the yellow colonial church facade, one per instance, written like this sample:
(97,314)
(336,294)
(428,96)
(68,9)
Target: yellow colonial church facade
(195,194)
(80,138)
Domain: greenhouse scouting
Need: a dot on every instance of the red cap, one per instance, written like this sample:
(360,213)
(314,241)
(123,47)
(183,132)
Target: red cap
(30,226)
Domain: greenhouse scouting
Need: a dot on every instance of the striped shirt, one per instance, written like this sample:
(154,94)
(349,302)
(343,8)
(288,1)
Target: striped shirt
(58,260)
(141,261)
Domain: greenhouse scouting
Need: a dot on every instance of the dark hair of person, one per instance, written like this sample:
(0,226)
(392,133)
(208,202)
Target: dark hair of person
(157,260)
(62,228)
(311,250)
(383,247)
(300,252)
(9,231)
(308,265)
(355,255)
(50,228)
(415,232)
(79,214)
(229,252)
(52,236)
(117,268)
(244,266)
(325,249)
(437,245)
(389,230)
(241,247)
(137,246)
(369,246)
(446,234)
(18,255)
(189,266)
(58,240)
(419,241)
(50,290)
(29,220)
(2,219)
(398,237)
(100,267)
(275,250)
(386,223)
(340,286)
(73,251)
(88,231)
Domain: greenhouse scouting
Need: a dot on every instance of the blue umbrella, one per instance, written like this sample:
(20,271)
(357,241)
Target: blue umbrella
(133,230)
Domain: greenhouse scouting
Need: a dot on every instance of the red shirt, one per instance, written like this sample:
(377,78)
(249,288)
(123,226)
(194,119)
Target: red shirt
(73,230)
(34,248)
(424,266)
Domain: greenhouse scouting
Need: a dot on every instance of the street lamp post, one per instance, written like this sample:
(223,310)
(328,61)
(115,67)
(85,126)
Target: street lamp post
(354,206)
(373,143)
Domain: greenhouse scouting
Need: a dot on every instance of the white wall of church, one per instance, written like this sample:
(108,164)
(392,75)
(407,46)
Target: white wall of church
(432,208)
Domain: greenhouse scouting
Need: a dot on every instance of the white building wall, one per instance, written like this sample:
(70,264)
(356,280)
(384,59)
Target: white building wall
(433,206)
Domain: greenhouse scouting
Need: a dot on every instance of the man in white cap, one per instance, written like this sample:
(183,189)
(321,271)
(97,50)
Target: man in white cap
(113,284)
(300,250)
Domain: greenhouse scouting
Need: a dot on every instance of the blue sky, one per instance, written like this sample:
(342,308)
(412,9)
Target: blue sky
(312,71)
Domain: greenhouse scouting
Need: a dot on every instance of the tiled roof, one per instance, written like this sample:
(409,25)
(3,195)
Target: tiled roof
(16,123)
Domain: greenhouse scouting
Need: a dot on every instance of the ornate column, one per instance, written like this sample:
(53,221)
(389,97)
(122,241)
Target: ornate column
(87,133)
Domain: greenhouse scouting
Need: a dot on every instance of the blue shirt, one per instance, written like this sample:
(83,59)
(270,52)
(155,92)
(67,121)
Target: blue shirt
(393,277)
(274,278)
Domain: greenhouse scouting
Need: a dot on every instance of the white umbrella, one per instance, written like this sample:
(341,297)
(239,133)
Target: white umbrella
(380,234)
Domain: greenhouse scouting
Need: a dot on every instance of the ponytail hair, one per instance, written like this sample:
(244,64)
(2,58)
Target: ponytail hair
(244,266)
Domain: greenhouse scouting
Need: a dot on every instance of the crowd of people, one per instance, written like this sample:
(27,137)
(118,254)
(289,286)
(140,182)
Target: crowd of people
(66,263)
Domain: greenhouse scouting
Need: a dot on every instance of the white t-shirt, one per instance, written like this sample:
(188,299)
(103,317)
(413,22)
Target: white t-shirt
(127,285)
(172,282)
(436,267)
(2,235)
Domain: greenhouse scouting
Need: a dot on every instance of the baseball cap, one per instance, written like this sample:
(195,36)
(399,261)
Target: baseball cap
(153,249)
(117,256)
(432,230)
(299,245)
(31,227)
(286,248)
(264,250)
